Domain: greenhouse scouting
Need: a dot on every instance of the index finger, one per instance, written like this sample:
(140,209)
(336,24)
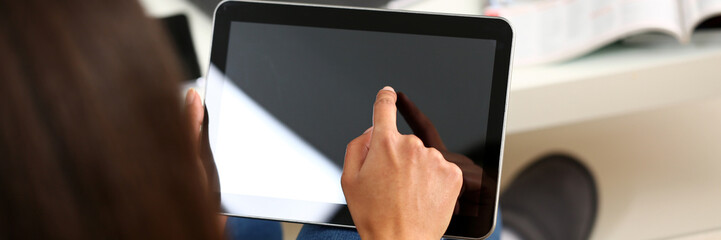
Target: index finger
(384,111)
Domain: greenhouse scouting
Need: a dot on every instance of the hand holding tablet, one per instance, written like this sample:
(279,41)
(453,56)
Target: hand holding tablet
(290,84)
(397,188)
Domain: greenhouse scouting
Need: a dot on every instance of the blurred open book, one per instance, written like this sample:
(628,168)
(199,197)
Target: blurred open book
(556,30)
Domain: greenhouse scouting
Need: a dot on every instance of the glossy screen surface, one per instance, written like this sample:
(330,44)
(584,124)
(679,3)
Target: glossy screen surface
(288,98)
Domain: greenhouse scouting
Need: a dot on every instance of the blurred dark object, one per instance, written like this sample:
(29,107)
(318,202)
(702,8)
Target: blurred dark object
(711,23)
(208,6)
(179,33)
(553,198)
(94,144)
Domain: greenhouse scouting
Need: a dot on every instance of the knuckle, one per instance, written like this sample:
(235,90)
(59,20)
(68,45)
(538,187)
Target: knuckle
(437,155)
(413,149)
(384,100)
(385,97)
(353,143)
(386,140)
(345,180)
(456,173)
(414,140)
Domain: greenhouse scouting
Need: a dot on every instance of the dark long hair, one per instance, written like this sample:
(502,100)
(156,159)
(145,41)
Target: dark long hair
(93,144)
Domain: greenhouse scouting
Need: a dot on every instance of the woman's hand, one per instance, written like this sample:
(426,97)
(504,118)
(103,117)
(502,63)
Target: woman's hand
(397,188)
(195,113)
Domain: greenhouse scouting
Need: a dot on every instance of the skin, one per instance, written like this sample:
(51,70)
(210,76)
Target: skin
(195,112)
(395,187)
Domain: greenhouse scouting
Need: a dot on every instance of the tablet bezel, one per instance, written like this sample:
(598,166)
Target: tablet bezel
(394,21)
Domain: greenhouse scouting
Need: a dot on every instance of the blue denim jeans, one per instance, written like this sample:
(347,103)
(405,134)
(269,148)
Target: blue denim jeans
(251,229)
(316,232)
(245,228)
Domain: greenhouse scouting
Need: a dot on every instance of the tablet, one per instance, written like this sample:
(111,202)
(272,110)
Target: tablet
(289,85)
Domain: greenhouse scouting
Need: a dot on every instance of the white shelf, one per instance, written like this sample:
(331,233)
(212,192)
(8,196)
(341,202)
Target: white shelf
(646,72)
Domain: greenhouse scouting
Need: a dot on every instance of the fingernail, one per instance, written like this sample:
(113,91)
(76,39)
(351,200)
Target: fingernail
(190,97)
(368,130)
(388,88)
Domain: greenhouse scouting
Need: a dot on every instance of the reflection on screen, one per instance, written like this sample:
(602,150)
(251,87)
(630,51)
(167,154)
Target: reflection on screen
(268,159)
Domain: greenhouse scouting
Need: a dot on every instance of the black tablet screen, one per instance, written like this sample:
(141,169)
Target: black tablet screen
(296,95)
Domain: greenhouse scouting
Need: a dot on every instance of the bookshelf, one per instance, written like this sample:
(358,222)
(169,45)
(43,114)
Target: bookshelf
(642,73)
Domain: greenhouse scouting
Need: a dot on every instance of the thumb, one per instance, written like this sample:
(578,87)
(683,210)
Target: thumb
(194,112)
(355,153)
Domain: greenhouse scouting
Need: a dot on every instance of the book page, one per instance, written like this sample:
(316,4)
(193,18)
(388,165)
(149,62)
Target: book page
(556,30)
(399,4)
(696,11)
